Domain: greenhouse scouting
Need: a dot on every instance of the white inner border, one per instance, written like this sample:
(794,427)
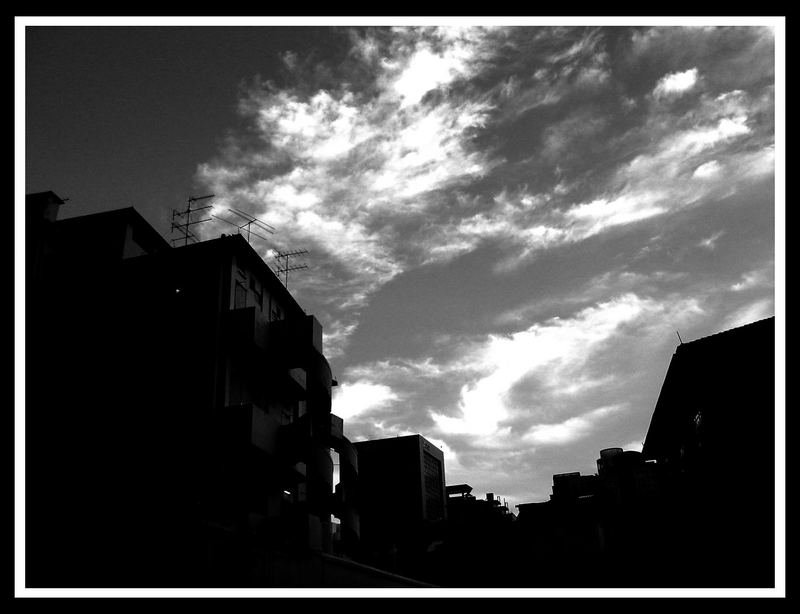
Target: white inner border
(779,25)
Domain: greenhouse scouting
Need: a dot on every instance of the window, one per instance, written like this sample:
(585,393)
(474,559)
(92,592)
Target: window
(432,469)
(239,296)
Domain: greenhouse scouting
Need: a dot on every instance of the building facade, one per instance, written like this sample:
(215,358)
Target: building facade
(178,421)
(402,483)
(713,429)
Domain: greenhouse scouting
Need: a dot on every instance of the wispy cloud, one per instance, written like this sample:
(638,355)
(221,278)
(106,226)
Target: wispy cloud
(343,175)
(508,153)
(710,242)
(374,185)
(552,357)
(570,429)
(751,312)
(754,279)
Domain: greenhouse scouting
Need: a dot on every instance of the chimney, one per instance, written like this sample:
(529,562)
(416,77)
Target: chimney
(42,206)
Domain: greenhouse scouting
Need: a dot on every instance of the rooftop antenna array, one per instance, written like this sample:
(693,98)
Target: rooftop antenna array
(183,227)
(284,267)
(249,220)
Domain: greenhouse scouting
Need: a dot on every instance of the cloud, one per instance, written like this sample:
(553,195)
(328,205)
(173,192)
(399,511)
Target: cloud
(703,145)
(710,242)
(676,84)
(707,170)
(335,336)
(341,174)
(360,397)
(426,145)
(636,446)
(381,173)
(754,279)
(499,401)
(556,355)
(570,429)
(751,312)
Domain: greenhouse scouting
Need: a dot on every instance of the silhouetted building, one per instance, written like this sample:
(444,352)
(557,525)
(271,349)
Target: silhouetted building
(402,503)
(572,485)
(473,549)
(178,422)
(695,508)
(466,512)
(713,427)
(595,529)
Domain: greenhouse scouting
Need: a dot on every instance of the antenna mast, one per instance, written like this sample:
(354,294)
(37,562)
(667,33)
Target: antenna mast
(285,268)
(183,227)
(249,221)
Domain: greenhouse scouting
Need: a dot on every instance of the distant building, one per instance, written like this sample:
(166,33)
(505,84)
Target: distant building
(178,422)
(472,550)
(466,512)
(595,529)
(402,486)
(571,486)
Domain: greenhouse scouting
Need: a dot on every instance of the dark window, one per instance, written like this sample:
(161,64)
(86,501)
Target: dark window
(239,296)
(433,486)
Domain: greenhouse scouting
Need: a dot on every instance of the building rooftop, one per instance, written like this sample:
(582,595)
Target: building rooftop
(459,489)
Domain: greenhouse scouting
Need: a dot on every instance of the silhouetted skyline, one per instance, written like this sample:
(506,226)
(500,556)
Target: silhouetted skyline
(506,227)
(179,433)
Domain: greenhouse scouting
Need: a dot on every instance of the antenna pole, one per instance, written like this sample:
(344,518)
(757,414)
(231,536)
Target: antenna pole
(183,227)
(249,220)
(286,268)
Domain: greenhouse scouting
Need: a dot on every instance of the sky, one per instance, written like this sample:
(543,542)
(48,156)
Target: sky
(507,226)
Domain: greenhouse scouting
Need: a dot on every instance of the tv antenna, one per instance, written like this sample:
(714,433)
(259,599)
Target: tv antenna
(249,220)
(183,227)
(285,268)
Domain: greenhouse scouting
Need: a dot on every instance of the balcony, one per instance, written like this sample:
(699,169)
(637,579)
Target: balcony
(295,438)
(290,344)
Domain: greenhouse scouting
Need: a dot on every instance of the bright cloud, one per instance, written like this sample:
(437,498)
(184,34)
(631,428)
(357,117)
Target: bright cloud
(570,429)
(708,170)
(555,353)
(353,399)
(676,84)
(751,312)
